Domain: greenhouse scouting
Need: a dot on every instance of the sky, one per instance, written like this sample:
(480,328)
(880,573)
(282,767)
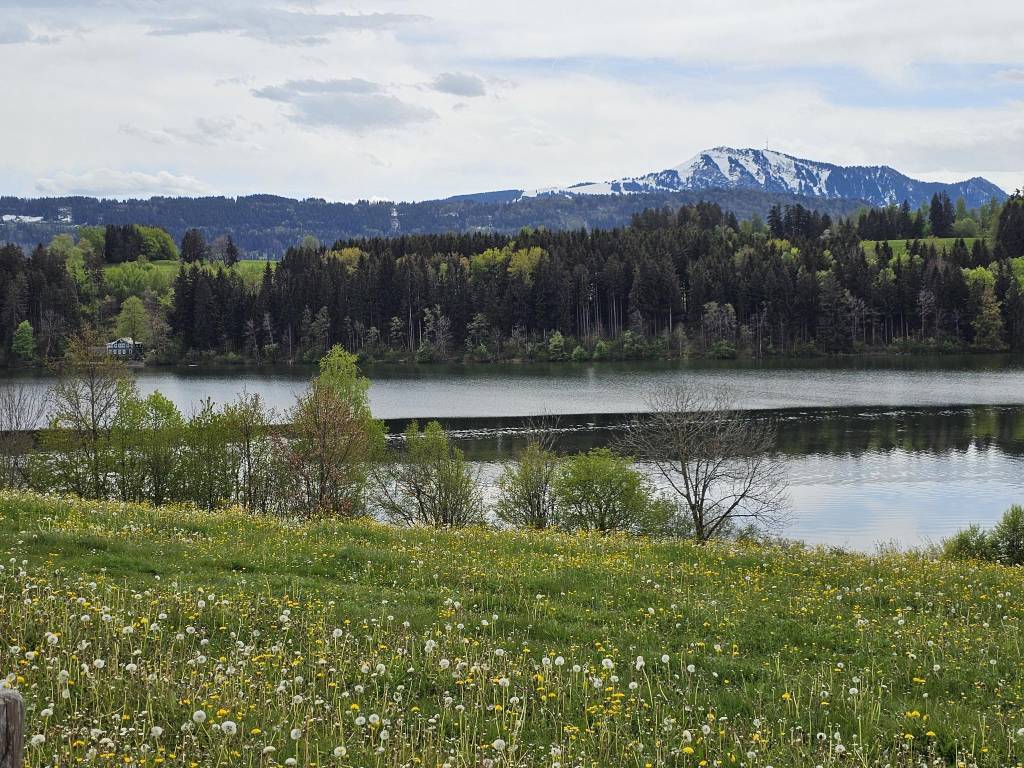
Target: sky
(420,100)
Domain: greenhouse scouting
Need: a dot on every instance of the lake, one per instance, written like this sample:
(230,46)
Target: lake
(877,449)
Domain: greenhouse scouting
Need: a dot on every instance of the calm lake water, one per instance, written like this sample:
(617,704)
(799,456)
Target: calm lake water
(877,449)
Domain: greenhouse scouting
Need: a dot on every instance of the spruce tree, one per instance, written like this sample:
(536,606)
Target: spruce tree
(193,247)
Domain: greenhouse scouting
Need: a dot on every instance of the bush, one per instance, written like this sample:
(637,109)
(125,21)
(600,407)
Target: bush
(431,484)
(722,350)
(602,491)
(601,351)
(526,497)
(1003,544)
(556,346)
(1008,537)
(969,544)
(579,355)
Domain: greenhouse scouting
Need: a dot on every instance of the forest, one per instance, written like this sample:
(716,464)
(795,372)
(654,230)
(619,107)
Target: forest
(264,226)
(692,280)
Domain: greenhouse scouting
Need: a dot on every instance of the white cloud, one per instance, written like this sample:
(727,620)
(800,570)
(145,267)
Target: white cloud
(493,95)
(274,25)
(354,104)
(106,182)
(459,84)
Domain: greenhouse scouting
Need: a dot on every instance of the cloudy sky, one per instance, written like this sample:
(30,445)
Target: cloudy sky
(417,100)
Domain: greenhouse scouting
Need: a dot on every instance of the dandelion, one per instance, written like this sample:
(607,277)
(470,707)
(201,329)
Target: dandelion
(199,717)
(229,728)
(156,731)
(38,740)
(296,734)
(499,745)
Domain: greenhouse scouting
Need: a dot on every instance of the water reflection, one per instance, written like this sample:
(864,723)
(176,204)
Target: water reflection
(858,477)
(819,431)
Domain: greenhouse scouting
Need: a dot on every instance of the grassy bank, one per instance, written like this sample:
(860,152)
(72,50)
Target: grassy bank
(356,645)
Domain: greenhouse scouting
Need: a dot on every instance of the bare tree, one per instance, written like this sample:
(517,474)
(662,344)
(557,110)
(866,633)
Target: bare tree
(720,465)
(22,410)
(85,402)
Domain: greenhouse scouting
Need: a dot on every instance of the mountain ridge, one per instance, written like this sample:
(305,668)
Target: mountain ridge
(772,171)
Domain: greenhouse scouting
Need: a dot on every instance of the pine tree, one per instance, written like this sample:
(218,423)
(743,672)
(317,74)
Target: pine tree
(1010,232)
(231,254)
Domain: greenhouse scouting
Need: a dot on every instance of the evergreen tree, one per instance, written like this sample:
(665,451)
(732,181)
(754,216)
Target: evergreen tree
(193,247)
(231,253)
(1010,231)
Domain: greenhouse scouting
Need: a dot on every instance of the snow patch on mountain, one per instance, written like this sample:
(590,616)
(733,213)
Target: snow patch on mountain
(770,171)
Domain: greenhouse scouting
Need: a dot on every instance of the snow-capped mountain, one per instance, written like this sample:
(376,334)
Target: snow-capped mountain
(727,168)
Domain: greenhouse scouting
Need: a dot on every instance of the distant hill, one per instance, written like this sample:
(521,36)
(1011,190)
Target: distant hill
(743,181)
(728,168)
(265,225)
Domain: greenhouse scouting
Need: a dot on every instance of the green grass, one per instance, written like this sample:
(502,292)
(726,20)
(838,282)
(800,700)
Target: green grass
(899,247)
(278,626)
(133,278)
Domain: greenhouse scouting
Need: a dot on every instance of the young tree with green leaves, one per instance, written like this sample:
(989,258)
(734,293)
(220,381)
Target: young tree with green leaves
(262,477)
(208,463)
(429,483)
(335,440)
(133,321)
(526,497)
(602,491)
(24,343)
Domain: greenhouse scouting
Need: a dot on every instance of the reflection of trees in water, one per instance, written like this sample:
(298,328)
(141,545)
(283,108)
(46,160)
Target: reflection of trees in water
(831,432)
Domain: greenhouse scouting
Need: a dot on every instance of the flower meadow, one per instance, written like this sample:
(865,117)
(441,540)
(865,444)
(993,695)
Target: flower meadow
(142,636)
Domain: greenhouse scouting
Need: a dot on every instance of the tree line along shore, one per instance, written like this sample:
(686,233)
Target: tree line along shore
(692,281)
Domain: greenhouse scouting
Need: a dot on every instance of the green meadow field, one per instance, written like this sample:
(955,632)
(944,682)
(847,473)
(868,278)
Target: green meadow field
(144,636)
(899,247)
(136,277)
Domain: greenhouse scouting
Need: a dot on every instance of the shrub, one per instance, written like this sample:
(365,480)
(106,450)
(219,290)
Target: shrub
(603,491)
(556,346)
(526,496)
(431,484)
(1003,544)
(972,543)
(722,350)
(1008,537)
(579,355)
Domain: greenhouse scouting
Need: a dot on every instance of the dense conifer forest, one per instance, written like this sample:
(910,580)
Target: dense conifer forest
(692,280)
